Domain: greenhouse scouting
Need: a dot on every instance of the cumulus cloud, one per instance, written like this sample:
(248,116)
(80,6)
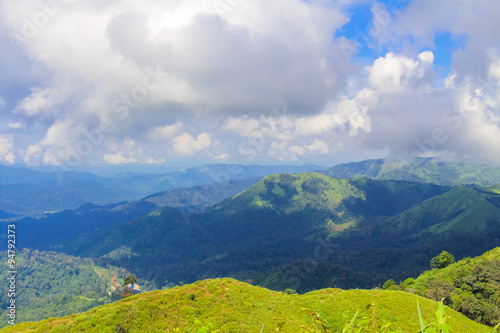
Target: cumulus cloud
(140,65)
(161,133)
(222,158)
(128,82)
(186,145)
(393,74)
(6,149)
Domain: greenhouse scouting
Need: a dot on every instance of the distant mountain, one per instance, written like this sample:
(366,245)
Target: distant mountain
(425,170)
(304,232)
(278,220)
(55,229)
(26,192)
(5,215)
(227,305)
(201,195)
(464,209)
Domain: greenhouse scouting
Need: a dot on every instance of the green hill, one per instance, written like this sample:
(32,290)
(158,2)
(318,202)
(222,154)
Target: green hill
(426,170)
(465,209)
(54,284)
(276,221)
(471,286)
(232,306)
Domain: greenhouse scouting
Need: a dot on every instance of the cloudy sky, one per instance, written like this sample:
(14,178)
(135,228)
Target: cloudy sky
(122,82)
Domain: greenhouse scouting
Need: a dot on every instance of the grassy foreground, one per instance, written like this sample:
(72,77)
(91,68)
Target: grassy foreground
(234,306)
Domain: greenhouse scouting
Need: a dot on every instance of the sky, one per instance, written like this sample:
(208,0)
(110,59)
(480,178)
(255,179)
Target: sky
(183,82)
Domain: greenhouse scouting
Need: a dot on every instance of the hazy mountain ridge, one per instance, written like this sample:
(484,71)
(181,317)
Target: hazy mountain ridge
(26,192)
(425,170)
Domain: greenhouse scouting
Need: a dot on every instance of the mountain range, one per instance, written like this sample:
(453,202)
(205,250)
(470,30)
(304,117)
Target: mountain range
(25,192)
(303,231)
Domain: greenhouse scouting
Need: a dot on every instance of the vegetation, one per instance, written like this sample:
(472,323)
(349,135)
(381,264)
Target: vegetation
(54,284)
(279,220)
(425,170)
(471,286)
(303,232)
(291,232)
(26,192)
(443,260)
(226,305)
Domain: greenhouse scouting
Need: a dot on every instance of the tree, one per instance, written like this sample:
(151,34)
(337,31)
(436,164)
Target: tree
(389,284)
(130,279)
(443,260)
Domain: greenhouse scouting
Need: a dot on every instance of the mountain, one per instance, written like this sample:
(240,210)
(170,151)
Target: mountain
(50,284)
(53,230)
(201,195)
(50,232)
(26,192)
(280,219)
(5,215)
(231,306)
(425,170)
(465,209)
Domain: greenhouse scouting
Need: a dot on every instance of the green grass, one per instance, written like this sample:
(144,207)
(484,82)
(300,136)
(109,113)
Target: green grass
(233,306)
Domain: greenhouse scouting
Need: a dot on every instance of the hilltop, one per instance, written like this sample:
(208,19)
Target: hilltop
(234,306)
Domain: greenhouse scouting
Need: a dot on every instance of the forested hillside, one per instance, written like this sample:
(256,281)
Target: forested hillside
(50,284)
(471,286)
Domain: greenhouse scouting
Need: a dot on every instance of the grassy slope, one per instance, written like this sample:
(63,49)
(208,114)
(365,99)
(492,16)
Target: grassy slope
(292,193)
(234,306)
(463,209)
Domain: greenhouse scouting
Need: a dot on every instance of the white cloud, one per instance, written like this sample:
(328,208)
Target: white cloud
(6,149)
(118,158)
(127,151)
(252,59)
(394,74)
(318,146)
(157,71)
(31,155)
(161,133)
(243,126)
(297,150)
(186,145)
(222,158)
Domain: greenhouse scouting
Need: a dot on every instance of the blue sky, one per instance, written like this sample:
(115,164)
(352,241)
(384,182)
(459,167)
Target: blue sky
(108,84)
(361,22)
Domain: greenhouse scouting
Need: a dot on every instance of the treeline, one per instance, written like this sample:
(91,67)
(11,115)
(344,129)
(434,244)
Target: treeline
(470,286)
(50,284)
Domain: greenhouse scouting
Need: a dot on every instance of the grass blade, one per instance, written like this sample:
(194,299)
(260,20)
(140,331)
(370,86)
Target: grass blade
(420,317)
